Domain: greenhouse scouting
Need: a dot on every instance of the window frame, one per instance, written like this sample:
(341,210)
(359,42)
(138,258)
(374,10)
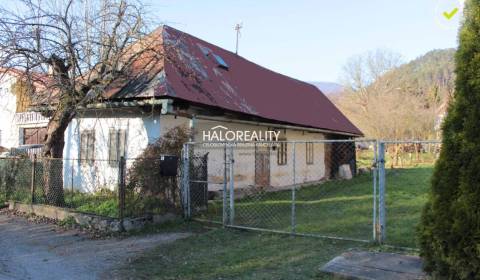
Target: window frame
(282,153)
(33,134)
(87,146)
(309,153)
(116,146)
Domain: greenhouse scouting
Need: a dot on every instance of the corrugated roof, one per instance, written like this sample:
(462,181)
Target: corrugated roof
(197,71)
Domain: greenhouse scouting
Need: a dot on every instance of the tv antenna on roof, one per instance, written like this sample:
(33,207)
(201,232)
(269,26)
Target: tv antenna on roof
(238,26)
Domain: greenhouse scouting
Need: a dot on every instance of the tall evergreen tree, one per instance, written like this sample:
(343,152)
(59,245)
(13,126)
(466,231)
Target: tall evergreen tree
(450,227)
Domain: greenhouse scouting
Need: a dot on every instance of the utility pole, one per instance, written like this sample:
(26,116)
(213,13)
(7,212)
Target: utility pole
(238,26)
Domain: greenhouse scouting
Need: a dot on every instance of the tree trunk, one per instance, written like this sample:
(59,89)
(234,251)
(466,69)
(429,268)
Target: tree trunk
(53,155)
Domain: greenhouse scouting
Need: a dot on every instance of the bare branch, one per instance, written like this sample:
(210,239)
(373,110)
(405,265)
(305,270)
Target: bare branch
(75,49)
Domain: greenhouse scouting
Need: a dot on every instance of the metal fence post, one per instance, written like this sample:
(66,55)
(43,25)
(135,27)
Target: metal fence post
(186,181)
(224,194)
(72,171)
(121,192)
(294,189)
(232,187)
(32,186)
(381,182)
(375,170)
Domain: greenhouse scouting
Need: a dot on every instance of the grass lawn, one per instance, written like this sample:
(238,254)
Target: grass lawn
(406,194)
(234,254)
(339,208)
(103,202)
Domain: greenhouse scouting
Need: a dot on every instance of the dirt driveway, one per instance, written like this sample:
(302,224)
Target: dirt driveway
(42,251)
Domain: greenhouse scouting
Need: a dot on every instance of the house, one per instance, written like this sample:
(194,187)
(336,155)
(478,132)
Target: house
(216,93)
(20,128)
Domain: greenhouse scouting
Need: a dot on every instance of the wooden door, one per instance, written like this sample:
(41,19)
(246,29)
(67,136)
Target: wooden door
(262,166)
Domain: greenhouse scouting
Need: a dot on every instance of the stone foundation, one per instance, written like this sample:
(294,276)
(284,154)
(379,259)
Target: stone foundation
(96,222)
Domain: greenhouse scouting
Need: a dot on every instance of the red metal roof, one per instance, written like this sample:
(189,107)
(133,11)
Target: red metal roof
(191,72)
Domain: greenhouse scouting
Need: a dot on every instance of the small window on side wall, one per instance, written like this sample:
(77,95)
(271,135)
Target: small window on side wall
(282,153)
(309,153)
(116,145)
(87,146)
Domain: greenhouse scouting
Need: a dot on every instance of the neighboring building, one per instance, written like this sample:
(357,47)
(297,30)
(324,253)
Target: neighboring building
(19,128)
(202,86)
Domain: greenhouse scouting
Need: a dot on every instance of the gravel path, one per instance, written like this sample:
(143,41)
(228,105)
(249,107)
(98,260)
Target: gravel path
(43,251)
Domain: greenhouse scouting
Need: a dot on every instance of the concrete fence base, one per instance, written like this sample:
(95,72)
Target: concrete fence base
(96,222)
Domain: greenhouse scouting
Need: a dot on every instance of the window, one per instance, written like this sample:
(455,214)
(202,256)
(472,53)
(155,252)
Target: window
(34,136)
(116,145)
(87,146)
(218,59)
(282,153)
(309,152)
(221,63)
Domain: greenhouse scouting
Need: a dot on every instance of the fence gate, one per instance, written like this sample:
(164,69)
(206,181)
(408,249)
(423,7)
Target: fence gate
(198,183)
(324,188)
(405,170)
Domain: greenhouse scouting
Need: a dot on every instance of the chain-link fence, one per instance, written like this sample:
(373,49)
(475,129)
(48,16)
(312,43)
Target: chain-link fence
(349,189)
(323,187)
(408,168)
(113,188)
(15,179)
(344,189)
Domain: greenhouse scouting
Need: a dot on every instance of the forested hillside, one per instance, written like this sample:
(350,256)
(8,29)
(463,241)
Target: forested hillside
(391,100)
(431,75)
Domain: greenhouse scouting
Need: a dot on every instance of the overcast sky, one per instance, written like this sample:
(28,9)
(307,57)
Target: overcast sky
(311,40)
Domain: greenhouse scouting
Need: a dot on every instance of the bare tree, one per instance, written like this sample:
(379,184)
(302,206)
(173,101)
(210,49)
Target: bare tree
(70,51)
(380,103)
(361,71)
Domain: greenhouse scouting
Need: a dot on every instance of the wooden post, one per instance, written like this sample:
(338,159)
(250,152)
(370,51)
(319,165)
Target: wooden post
(32,186)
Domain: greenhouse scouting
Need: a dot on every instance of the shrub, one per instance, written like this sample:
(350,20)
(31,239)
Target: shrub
(15,179)
(450,227)
(107,207)
(147,190)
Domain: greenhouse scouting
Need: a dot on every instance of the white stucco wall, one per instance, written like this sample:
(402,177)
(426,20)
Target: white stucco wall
(9,131)
(244,166)
(140,131)
(143,130)
(282,175)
